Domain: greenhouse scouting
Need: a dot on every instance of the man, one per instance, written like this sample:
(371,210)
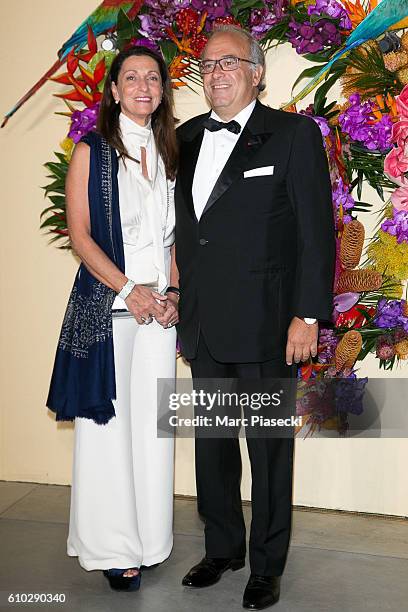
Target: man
(255,254)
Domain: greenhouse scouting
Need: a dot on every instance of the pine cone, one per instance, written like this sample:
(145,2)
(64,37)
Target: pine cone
(347,350)
(357,281)
(352,243)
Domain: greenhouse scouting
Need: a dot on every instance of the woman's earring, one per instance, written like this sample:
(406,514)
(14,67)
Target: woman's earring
(116,101)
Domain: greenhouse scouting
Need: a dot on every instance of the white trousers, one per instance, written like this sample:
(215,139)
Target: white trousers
(122,489)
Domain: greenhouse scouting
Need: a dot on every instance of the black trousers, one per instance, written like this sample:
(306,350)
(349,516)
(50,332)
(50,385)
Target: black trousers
(218,478)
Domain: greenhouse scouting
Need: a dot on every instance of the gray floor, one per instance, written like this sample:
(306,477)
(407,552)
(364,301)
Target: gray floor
(336,562)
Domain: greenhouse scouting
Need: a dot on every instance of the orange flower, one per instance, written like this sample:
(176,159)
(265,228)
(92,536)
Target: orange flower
(179,69)
(191,43)
(385,104)
(356,11)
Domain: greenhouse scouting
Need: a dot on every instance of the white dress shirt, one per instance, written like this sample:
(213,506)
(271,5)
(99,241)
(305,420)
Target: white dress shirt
(216,148)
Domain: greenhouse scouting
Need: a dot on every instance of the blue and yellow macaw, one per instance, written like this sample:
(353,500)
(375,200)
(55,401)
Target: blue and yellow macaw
(383,17)
(102,20)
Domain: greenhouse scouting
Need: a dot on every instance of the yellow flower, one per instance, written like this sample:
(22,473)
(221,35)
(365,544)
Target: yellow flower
(67,146)
(389,257)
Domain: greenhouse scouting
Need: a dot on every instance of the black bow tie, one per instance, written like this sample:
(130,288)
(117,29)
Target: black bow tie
(213,125)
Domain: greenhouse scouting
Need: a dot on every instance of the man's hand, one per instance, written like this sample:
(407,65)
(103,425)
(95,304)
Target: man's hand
(302,341)
(170,315)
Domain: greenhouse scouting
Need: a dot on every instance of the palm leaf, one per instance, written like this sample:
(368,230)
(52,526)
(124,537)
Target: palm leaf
(367,73)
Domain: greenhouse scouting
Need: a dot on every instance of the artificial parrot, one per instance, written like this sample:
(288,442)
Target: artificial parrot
(102,20)
(385,15)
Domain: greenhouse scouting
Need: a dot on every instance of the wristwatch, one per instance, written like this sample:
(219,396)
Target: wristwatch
(309,321)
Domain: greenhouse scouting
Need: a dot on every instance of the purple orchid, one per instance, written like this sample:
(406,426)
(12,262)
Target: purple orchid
(82,122)
(213,8)
(311,38)
(321,121)
(359,122)
(161,16)
(328,342)
(146,42)
(349,393)
(333,9)
(397,226)
(342,198)
(262,20)
(390,313)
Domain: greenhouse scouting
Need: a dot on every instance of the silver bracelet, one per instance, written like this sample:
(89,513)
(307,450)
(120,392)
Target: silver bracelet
(126,289)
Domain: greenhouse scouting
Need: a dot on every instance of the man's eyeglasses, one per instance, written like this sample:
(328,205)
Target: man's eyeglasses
(226,63)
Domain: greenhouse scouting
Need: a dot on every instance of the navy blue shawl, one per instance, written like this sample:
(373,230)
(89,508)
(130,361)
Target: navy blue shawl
(83,378)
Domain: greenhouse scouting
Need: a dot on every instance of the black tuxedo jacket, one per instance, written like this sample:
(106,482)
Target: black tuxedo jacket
(263,250)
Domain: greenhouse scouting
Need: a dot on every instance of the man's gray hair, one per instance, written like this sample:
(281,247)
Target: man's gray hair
(256,53)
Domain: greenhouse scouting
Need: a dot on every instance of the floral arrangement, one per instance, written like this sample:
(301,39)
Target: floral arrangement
(365,136)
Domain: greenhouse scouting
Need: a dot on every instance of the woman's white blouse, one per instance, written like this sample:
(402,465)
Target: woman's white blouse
(146,209)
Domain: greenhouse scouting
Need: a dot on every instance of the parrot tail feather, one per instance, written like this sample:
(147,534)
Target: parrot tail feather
(32,91)
(318,78)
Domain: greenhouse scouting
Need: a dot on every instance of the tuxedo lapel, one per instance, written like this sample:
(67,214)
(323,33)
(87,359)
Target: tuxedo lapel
(251,139)
(191,149)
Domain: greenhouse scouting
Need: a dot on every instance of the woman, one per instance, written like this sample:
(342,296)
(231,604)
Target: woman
(118,335)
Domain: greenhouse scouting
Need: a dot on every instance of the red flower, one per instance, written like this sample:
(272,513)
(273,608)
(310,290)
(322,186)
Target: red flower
(187,21)
(353,318)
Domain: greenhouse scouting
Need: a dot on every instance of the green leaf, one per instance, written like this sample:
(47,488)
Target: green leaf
(169,50)
(365,313)
(58,200)
(360,177)
(53,221)
(56,187)
(52,207)
(321,92)
(307,73)
(57,169)
(241,5)
(320,58)
(125,29)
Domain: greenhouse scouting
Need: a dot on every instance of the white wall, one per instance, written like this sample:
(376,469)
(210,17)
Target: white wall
(353,474)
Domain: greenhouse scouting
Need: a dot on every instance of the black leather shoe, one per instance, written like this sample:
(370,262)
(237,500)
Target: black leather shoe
(209,571)
(261,592)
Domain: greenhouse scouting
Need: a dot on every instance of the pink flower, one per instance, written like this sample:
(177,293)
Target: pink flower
(399,198)
(395,165)
(402,102)
(399,134)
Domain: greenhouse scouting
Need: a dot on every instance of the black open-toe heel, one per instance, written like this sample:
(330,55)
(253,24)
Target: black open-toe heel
(119,582)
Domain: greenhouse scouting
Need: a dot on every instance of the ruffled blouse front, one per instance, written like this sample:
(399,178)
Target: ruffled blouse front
(146,207)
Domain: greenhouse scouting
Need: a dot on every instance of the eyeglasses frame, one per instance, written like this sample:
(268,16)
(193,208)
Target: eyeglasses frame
(218,61)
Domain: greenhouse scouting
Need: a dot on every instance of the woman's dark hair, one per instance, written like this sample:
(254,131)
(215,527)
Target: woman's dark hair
(163,122)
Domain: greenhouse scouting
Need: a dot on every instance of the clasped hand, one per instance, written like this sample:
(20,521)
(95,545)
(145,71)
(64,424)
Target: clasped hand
(144,304)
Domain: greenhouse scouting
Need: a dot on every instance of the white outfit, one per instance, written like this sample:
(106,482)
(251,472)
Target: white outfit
(215,151)
(122,490)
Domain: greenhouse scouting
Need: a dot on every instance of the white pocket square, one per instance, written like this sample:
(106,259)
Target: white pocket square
(264,171)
